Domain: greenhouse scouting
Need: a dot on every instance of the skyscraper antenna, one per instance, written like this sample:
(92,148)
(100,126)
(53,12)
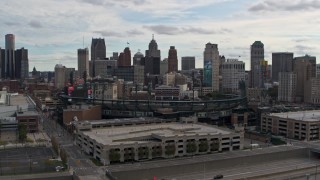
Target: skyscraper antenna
(152,36)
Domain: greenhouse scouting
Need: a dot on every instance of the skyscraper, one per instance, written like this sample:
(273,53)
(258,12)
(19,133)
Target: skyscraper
(153,49)
(98,52)
(257,54)
(281,62)
(172,60)
(2,63)
(22,63)
(232,72)
(125,58)
(83,62)
(305,69)
(10,56)
(152,59)
(211,66)
(138,58)
(188,63)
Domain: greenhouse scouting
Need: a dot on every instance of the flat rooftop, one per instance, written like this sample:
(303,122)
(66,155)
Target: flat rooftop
(152,132)
(310,116)
(28,113)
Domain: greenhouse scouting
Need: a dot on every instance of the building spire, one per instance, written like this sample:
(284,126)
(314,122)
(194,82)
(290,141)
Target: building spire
(152,36)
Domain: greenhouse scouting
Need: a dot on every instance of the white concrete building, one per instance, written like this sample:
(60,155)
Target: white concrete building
(127,143)
(232,72)
(106,91)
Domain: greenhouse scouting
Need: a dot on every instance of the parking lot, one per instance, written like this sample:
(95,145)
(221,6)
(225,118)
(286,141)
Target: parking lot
(27,160)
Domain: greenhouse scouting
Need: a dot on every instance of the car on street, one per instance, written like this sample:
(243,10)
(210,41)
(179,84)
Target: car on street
(218,176)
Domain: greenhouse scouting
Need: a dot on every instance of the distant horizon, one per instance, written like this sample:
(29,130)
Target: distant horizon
(52,30)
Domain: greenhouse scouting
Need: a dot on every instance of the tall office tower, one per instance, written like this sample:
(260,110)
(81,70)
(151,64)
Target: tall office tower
(115,56)
(211,66)
(172,60)
(153,49)
(10,56)
(2,64)
(257,54)
(164,66)
(232,72)
(318,70)
(22,63)
(138,58)
(305,68)
(287,86)
(62,75)
(281,62)
(83,62)
(263,72)
(188,63)
(125,58)
(98,52)
(152,59)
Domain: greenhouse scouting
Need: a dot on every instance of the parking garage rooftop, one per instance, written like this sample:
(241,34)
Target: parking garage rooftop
(138,133)
(300,115)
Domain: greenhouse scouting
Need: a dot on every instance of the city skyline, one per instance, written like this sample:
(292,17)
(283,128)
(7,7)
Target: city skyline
(52,31)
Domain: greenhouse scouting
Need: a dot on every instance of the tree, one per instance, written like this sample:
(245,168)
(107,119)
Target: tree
(203,146)
(63,156)
(114,155)
(191,147)
(170,150)
(214,146)
(143,152)
(22,130)
(55,145)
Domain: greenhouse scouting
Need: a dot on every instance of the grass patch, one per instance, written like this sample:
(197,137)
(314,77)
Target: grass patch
(29,140)
(96,162)
(3,143)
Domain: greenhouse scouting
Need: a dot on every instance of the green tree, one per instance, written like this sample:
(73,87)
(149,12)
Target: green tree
(214,146)
(170,150)
(156,151)
(143,152)
(191,147)
(114,155)
(203,146)
(55,144)
(22,130)
(63,156)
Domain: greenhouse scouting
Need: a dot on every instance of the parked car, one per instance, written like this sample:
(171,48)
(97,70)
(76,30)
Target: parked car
(218,176)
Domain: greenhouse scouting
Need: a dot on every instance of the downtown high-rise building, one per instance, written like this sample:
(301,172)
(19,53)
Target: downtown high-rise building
(83,62)
(10,57)
(232,71)
(152,59)
(188,63)
(138,59)
(98,52)
(125,58)
(211,66)
(172,60)
(305,69)
(256,56)
(281,62)
(22,63)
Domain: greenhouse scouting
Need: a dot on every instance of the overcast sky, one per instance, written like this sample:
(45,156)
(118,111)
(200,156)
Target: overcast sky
(53,30)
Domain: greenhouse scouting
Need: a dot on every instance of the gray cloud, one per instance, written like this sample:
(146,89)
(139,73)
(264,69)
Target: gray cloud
(285,5)
(108,33)
(94,2)
(172,30)
(134,32)
(163,29)
(12,23)
(35,24)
